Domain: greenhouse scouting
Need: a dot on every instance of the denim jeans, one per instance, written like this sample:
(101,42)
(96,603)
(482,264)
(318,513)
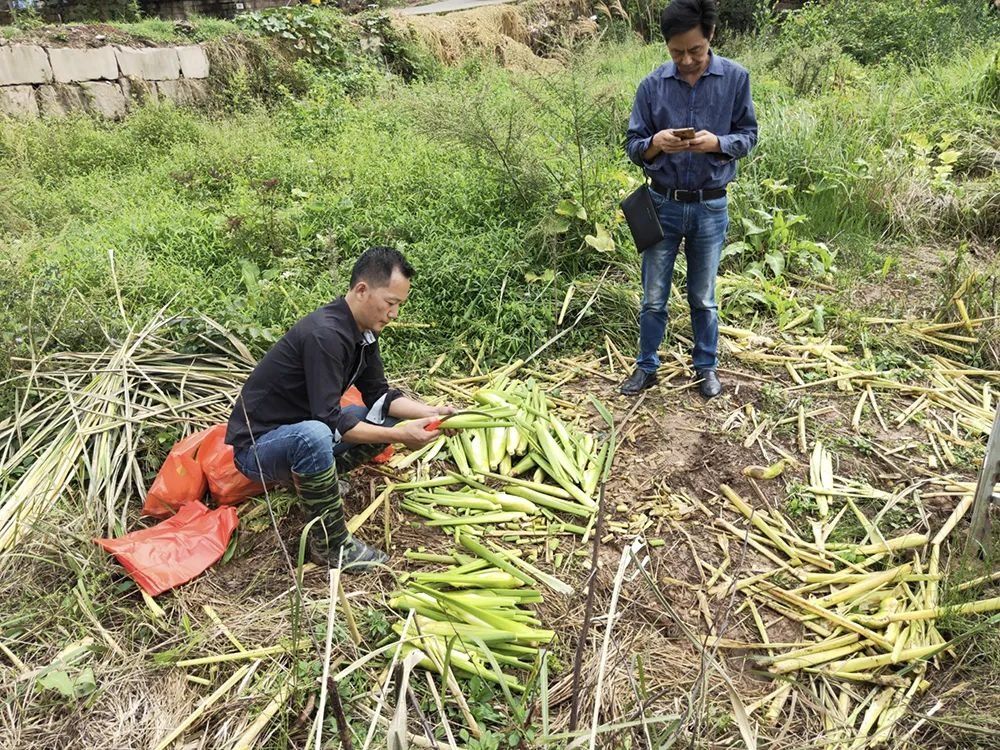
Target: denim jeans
(303,448)
(703,227)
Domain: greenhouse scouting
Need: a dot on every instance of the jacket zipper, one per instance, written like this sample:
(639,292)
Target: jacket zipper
(361,363)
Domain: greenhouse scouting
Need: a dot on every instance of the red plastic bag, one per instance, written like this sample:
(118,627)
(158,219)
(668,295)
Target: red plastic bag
(176,550)
(203,462)
(352,397)
(226,483)
(179,481)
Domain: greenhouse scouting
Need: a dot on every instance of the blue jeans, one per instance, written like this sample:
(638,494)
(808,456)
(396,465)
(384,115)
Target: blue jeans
(703,227)
(302,448)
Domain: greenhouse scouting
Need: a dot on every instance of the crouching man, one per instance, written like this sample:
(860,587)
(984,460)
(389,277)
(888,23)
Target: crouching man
(288,425)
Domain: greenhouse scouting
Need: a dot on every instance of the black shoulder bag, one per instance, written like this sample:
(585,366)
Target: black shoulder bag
(643,222)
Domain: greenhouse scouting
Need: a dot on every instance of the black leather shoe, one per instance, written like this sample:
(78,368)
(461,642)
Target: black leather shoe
(708,383)
(638,381)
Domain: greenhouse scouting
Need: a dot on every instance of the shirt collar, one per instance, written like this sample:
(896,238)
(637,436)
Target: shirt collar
(714,68)
(359,336)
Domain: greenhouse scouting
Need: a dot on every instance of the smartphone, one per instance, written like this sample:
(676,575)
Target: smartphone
(685,134)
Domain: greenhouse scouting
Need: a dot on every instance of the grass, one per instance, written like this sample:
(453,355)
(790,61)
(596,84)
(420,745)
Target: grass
(196,29)
(254,215)
(253,212)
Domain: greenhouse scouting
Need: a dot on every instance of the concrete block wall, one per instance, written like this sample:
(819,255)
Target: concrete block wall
(104,81)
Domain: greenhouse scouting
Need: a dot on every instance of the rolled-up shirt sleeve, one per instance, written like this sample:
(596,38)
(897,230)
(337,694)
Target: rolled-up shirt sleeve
(742,136)
(323,357)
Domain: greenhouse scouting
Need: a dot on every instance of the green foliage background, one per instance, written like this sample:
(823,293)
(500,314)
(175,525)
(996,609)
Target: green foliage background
(501,186)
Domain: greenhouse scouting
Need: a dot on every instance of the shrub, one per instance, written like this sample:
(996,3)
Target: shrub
(809,70)
(882,31)
(304,32)
(70,11)
(742,16)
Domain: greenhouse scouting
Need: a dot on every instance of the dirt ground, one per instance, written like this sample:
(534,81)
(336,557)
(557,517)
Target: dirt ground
(81,36)
(674,452)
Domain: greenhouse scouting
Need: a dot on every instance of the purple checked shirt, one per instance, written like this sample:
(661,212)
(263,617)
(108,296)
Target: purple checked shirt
(719,102)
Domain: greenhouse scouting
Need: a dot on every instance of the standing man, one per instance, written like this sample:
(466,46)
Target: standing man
(288,425)
(689,172)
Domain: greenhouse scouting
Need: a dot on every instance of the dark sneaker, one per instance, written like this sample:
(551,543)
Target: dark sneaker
(638,381)
(708,383)
(357,556)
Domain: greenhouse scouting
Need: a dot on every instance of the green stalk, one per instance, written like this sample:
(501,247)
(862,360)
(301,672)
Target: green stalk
(487,579)
(456,447)
(567,443)
(468,502)
(497,444)
(555,455)
(427,483)
(479,518)
(536,486)
(496,560)
(516,502)
(540,498)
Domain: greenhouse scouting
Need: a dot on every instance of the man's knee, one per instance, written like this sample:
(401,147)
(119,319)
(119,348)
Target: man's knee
(702,300)
(314,438)
(654,304)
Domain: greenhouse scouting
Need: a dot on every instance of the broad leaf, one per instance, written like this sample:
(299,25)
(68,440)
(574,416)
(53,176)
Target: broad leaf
(556,224)
(569,207)
(734,248)
(70,686)
(602,241)
(776,262)
(819,324)
(949,157)
(547,276)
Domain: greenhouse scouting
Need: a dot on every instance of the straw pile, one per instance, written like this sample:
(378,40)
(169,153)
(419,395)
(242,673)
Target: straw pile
(81,420)
(512,35)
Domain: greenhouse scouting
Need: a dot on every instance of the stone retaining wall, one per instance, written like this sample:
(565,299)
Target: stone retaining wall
(105,81)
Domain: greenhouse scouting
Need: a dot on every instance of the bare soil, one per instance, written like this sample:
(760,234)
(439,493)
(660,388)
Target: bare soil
(80,36)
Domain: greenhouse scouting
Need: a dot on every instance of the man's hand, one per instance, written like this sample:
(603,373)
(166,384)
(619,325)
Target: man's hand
(666,142)
(703,143)
(414,433)
(444,411)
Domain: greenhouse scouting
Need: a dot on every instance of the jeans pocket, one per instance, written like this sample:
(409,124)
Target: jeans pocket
(716,205)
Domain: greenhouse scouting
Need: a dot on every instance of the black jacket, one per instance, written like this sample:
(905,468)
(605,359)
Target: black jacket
(304,375)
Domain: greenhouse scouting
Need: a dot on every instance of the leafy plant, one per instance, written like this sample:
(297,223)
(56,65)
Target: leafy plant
(933,162)
(318,36)
(774,245)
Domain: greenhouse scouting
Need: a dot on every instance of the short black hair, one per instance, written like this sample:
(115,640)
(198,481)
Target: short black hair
(684,15)
(376,265)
